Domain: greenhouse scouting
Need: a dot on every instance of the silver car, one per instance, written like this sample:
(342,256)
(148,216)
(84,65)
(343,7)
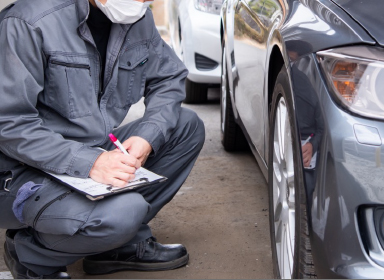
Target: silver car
(195,37)
(302,84)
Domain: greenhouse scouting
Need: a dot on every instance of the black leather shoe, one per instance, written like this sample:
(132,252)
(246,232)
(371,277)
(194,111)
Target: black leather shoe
(147,255)
(19,271)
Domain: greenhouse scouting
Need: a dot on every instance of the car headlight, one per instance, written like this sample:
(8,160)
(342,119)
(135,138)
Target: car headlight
(209,6)
(356,77)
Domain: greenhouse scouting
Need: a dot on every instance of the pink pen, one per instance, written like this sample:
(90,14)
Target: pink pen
(307,140)
(117,143)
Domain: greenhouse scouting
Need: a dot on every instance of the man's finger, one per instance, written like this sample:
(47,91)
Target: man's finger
(126,177)
(130,161)
(118,183)
(124,168)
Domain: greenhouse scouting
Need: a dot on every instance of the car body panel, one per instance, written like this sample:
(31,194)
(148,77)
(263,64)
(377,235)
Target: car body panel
(320,24)
(340,184)
(370,20)
(250,46)
(281,17)
(336,191)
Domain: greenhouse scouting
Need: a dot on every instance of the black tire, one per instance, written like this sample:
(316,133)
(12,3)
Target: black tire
(195,93)
(232,137)
(303,266)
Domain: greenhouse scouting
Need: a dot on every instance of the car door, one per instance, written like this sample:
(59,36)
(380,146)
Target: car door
(250,39)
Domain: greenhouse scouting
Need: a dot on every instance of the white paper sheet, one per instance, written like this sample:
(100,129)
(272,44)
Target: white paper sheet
(95,189)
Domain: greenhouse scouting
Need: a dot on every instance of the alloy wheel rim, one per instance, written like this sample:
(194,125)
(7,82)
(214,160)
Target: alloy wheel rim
(223,91)
(283,191)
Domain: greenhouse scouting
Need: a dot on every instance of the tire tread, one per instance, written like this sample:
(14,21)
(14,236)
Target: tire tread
(303,266)
(195,93)
(233,136)
(306,265)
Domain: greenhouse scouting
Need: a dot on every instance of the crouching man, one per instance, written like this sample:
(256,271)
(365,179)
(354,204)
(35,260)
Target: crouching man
(70,70)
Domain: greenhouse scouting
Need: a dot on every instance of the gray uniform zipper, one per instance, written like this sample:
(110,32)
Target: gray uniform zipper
(60,197)
(72,65)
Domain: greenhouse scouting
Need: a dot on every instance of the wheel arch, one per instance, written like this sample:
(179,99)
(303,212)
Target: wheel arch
(221,31)
(276,61)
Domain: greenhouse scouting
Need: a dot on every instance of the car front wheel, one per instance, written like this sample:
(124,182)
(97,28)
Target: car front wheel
(291,250)
(195,93)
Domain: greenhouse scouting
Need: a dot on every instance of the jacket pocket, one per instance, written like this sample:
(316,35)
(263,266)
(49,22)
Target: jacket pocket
(55,209)
(69,89)
(131,76)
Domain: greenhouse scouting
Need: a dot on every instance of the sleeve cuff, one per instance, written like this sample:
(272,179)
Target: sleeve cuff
(151,133)
(82,163)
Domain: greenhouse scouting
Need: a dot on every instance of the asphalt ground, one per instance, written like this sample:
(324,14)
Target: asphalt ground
(220,214)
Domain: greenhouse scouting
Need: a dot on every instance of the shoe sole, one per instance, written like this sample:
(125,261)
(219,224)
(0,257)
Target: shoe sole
(105,267)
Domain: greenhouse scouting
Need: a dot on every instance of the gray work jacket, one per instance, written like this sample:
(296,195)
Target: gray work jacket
(53,112)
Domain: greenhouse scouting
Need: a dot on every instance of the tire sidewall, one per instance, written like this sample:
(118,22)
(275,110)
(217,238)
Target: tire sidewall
(283,90)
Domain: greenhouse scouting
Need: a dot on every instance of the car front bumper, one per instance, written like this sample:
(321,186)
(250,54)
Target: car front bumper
(347,183)
(201,35)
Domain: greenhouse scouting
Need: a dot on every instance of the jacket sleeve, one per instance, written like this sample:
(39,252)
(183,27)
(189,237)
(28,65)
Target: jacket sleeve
(23,135)
(164,92)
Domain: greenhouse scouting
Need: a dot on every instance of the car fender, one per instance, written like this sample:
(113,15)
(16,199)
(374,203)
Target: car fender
(325,21)
(275,47)
(325,25)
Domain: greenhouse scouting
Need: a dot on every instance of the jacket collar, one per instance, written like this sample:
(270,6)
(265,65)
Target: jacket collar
(82,7)
(117,35)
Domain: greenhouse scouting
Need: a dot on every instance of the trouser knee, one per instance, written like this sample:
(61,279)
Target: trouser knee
(118,222)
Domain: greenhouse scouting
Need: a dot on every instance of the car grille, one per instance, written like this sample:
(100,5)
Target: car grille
(203,63)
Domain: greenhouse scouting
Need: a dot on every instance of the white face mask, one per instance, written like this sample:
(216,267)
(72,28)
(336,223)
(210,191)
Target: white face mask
(123,11)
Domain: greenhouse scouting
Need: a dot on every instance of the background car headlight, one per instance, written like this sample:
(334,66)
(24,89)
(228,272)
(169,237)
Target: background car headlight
(356,76)
(209,6)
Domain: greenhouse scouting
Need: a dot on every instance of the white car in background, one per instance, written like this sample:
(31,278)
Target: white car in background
(195,37)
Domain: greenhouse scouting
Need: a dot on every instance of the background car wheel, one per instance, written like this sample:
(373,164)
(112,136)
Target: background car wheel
(291,250)
(232,136)
(195,92)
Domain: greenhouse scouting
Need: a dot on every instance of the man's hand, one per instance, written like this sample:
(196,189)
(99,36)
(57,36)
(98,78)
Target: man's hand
(138,148)
(307,150)
(114,168)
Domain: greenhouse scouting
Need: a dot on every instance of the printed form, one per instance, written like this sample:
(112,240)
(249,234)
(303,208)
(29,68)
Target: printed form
(94,190)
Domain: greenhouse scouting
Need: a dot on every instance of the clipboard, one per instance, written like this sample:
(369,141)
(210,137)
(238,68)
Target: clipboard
(96,191)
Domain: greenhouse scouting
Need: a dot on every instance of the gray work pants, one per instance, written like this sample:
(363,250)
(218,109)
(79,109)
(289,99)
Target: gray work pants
(65,226)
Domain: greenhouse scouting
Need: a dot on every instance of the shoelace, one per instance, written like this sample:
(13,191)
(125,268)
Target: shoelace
(142,246)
